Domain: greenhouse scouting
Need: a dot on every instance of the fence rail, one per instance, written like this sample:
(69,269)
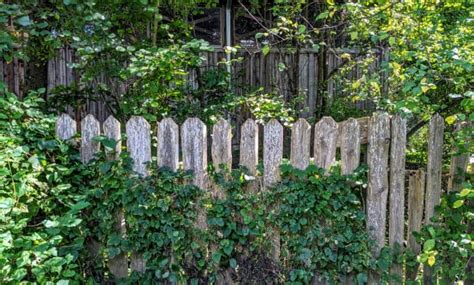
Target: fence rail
(385,137)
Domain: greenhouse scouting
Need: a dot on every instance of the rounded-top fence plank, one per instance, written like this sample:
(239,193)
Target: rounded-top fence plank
(90,128)
(325,142)
(300,143)
(66,127)
(397,188)
(249,146)
(272,152)
(221,149)
(168,144)
(139,143)
(194,147)
(111,128)
(379,139)
(350,145)
(118,264)
(139,147)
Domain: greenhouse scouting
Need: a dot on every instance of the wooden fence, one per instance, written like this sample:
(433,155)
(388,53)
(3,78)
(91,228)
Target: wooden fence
(385,136)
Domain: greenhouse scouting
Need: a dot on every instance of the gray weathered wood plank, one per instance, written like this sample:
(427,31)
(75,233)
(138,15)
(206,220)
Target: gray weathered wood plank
(90,128)
(397,189)
(118,265)
(221,149)
(350,145)
(300,144)
(139,147)
(66,127)
(249,146)
(194,148)
(458,167)
(416,197)
(167,147)
(433,178)
(379,140)
(325,142)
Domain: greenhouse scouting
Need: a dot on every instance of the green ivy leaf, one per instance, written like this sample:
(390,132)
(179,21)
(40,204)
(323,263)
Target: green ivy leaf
(458,204)
(266,50)
(24,21)
(429,245)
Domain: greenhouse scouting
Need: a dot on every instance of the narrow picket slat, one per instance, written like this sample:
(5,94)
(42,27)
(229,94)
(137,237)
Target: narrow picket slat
(90,128)
(168,144)
(379,140)
(272,152)
(300,144)
(194,147)
(249,146)
(272,158)
(139,147)
(350,146)
(459,163)
(416,197)
(66,127)
(325,142)
(118,264)
(221,149)
(433,178)
(397,189)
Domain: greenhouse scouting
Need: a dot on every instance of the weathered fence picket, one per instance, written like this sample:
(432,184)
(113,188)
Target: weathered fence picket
(379,140)
(397,189)
(386,138)
(433,178)
(139,147)
(459,162)
(167,147)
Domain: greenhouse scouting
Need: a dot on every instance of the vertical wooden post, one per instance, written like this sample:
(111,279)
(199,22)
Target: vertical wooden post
(416,197)
(458,166)
(350,146)
(272,157)
(379,139)
(325,142)
(168,144)
(397,190)
(300,143)
(90,128)
(221,149)
(66,127)
(139,147)
(118,265)
(194,144)
(433,178)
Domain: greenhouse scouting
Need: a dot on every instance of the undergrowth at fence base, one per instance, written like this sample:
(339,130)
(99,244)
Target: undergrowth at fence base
(59,218)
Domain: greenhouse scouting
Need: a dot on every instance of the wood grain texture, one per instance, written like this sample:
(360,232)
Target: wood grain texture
(139,143)
(458,167)
(139,147)
(416,197)
(379,140)
(249,146)
(350,145)
(90,128)
(272,152)
(300,144)
(325,142)
(167,147)
(111,128)
(66,127)
(433,179)
(194,148)
(397,189)
(118,265)
(221,149)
